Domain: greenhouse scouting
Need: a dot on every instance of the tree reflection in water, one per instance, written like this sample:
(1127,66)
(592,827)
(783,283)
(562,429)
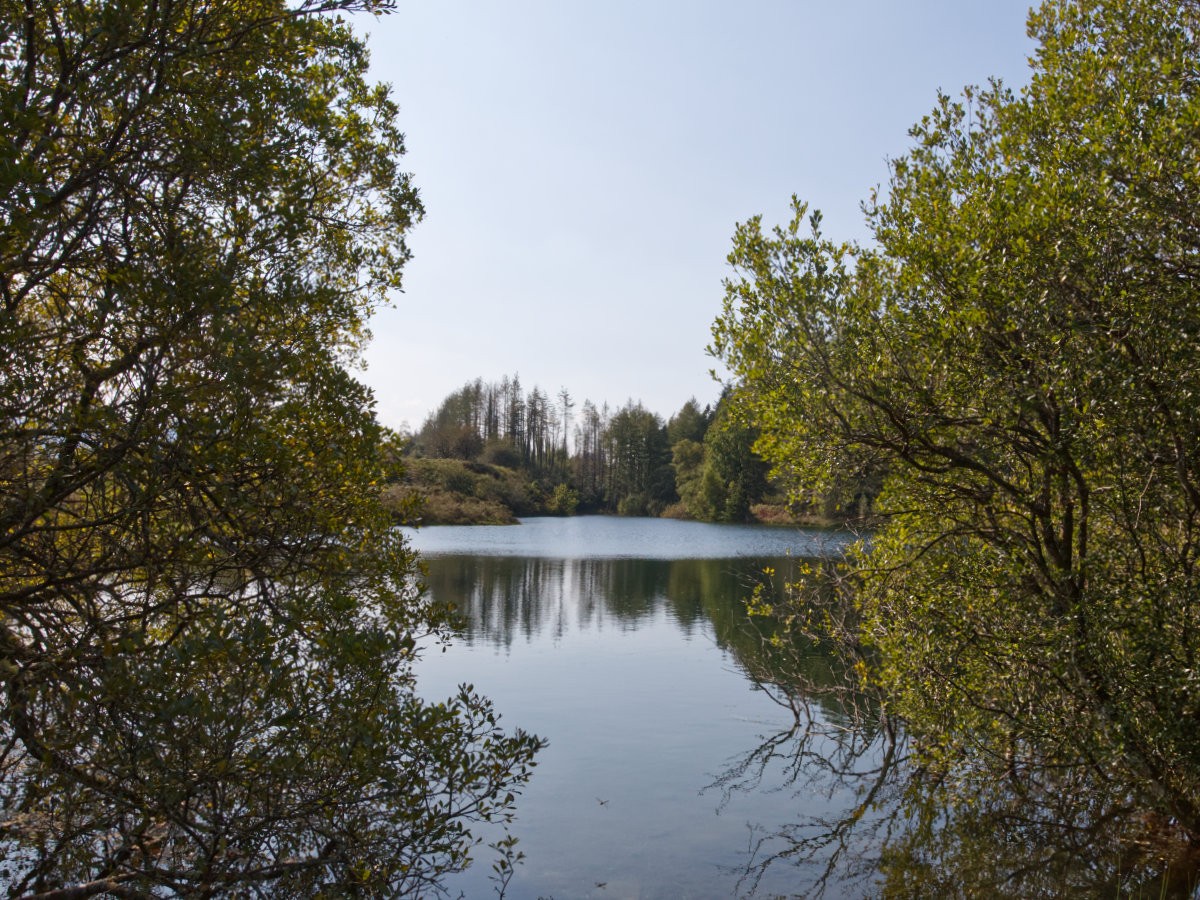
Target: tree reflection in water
(840,745)
(1043,830)
(886,826)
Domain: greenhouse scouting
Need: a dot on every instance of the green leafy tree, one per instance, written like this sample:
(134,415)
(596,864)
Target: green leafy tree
(690,423)
(719,479)
(207,624)
(735,475)
(1018,355)
(564,501)
(640,479)
(687,459)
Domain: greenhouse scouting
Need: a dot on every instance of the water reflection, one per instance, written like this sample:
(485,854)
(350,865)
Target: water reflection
(507,600)
(691,754)
(661,696)
(1056,834)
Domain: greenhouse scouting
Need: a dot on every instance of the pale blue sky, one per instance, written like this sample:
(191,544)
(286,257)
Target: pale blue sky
(583,166)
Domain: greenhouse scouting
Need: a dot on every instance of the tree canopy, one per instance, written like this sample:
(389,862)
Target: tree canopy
(1015,358)
(207,623)
(700,464)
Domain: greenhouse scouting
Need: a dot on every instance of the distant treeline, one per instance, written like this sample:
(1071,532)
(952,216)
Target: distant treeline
(536,453)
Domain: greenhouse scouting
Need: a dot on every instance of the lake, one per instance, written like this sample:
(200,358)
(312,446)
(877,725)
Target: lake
(626,644)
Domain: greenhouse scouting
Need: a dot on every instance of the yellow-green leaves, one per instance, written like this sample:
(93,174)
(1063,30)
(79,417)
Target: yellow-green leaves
(208,620)
(1015,359)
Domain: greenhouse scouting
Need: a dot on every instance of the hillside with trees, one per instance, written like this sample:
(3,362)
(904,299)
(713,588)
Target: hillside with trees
(492,451)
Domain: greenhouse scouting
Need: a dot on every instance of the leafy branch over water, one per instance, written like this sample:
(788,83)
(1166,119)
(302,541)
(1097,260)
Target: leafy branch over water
(207,620)
(894,824)
(1015,359)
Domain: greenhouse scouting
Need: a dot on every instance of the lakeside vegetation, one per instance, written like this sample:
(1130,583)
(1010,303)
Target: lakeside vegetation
(209,623)
(1016,352)
(491,452)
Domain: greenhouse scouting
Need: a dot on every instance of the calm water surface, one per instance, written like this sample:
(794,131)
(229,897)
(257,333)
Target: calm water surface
(610,537)
(625,643)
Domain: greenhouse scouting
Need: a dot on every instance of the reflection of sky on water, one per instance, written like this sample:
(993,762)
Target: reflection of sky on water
(635,667)
(609,537)
(675,766)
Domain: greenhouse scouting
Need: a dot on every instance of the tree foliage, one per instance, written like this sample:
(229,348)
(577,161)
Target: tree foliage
(718,475)
(690,423)
(639,461)
(207,624)
(621,461)
(1016,359)
(528,429)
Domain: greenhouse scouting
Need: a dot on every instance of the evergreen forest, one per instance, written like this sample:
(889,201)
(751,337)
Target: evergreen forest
(492,451)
